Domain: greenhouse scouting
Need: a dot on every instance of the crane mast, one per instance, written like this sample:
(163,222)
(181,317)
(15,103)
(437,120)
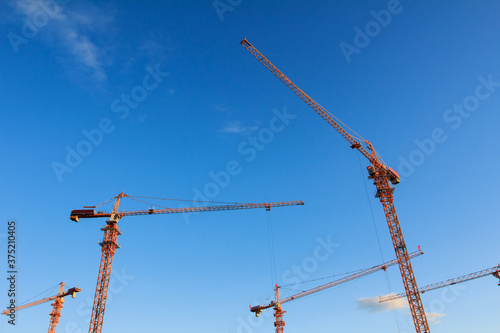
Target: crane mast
(108,246)
(111,232)
(55,314)
(495,271)
(381,176)
(279,323)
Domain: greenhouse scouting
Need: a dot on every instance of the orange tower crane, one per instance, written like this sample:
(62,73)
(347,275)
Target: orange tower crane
(381,175)
(276,304)
(495,271)
(111,233)
(56,306)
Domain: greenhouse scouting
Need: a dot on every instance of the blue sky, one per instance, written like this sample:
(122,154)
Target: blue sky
(159,99)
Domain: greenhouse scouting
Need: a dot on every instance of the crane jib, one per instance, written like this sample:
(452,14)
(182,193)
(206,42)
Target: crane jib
(91,213)
(258,308)
(493,271)
(355,144)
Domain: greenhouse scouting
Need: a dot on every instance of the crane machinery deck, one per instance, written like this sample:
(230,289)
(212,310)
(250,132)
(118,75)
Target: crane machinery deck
(111,232)
(382,176)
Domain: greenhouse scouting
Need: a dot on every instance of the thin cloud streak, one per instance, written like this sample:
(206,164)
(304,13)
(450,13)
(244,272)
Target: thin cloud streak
(434,317)
(236,127)
(371,304)
(70,26)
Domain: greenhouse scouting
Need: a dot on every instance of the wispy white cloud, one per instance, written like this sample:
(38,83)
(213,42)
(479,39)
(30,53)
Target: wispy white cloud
(155,47)
(147,48)
(236,127)
(71,29)
(221,108)
(84,52)
(371,304)
(434,317)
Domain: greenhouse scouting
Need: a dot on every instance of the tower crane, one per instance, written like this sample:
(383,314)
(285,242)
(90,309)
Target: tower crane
(56,306)
(276,304)
(381,175)
(495,271)
(111,232)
